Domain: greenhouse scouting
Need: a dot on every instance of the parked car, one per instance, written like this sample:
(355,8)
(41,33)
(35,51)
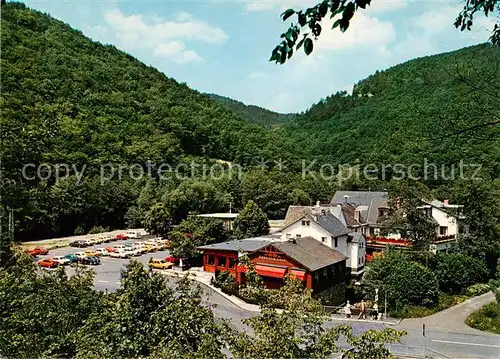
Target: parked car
(110,249)
(79,244)
(62,260)
(164,244)
(119,253)
(91,260)
(72,258)
(132,251)
(159,263)
(48,263)
(102,252)
(152,246)
(133,234)
(80,255)
(140,247)
(39,251)
(91,253)
(121,237)
(108,239)
(173,260)
(119,247)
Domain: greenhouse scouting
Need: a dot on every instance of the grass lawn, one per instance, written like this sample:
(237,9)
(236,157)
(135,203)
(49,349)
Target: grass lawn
(487,318)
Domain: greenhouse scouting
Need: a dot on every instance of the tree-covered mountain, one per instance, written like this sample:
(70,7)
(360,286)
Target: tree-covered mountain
(67,100)
(253,113)
(443,108)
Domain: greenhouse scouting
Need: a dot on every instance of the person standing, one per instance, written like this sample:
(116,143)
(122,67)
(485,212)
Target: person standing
(362,310)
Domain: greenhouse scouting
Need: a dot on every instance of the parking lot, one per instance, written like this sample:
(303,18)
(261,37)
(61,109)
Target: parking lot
(107,274)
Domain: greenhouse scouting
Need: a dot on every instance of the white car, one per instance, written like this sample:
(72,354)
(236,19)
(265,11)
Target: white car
(119,247)
(119,254)
(102,252)
(132,251)
(140,247)
(133,234)
(152,243)
(80,255)
(61,260)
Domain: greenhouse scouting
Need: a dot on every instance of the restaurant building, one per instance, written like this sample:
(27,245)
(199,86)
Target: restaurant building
(319,267)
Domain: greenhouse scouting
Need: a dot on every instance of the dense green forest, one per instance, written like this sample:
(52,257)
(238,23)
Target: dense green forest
(444,108)
(100,118)
(253,113)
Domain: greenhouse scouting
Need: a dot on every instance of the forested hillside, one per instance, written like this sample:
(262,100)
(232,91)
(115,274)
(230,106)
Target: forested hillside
(68,100)
(444,108)
(253,113)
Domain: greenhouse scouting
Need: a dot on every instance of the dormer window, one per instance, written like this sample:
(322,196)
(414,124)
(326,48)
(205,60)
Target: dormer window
(356,215)
(382,212)
(306,223)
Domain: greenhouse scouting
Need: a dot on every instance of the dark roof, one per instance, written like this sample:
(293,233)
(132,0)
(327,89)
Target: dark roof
(310,253)
(375,204)
(359,198)
(246,245)
(348,211)
(322,216)
(330,223)
(356,237)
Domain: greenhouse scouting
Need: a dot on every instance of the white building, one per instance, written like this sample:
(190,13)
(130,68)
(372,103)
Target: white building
(321,224)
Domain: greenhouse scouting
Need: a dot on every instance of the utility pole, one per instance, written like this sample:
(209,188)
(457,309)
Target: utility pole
(425,341)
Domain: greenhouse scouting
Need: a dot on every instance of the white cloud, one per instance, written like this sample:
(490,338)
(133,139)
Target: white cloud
(177,52)
(135,27)
(165,38)
(363,31)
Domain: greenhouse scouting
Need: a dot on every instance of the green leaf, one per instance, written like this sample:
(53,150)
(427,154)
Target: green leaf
(287,13)
(302,19)
(290,53)
(299,45)
(336,24)
(308,46)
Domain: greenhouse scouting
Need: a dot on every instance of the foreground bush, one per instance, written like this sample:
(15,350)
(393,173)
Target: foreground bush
(456,271)
(487,318)
(406,282)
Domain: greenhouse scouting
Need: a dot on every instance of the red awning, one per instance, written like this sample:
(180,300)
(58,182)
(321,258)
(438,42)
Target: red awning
(268,271)
(299,274)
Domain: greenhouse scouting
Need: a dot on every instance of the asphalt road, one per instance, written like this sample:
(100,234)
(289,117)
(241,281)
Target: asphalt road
(440,343)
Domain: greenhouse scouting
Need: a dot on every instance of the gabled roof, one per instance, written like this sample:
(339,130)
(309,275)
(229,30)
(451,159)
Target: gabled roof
(321,216)
(356,237)
(245,245)
(310,253)
(359,198)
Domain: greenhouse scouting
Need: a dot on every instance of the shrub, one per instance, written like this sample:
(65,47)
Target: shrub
(226,282)
(79,231)
(457,271)
(477,289)
(406,282)
(487,318)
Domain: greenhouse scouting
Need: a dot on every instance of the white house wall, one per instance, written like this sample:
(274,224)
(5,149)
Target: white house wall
(445,220)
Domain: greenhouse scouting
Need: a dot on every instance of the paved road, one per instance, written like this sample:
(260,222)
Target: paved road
(445,335)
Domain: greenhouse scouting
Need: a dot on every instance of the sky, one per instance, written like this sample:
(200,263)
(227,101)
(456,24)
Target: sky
(223,46)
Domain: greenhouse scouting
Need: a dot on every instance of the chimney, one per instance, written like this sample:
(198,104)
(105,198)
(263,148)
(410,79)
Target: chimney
(446,202)
(317,203)
(346,197)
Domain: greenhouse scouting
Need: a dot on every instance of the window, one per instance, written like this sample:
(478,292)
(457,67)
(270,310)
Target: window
(359,260)
(336,242)
(288,235)
(443,231)
(210,260)
(233,262)
(298,236)
(323,239)
(221,262)
(306,223)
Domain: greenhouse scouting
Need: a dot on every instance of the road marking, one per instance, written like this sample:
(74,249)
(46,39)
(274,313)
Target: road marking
(102,281)
(463,343)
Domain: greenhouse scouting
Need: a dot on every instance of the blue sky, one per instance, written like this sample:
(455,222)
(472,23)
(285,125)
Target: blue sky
(223,46)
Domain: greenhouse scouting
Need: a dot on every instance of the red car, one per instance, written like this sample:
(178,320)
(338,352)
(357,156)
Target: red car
(172,259)
(48,263)
(38,251)
(121,237)
(110,249)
